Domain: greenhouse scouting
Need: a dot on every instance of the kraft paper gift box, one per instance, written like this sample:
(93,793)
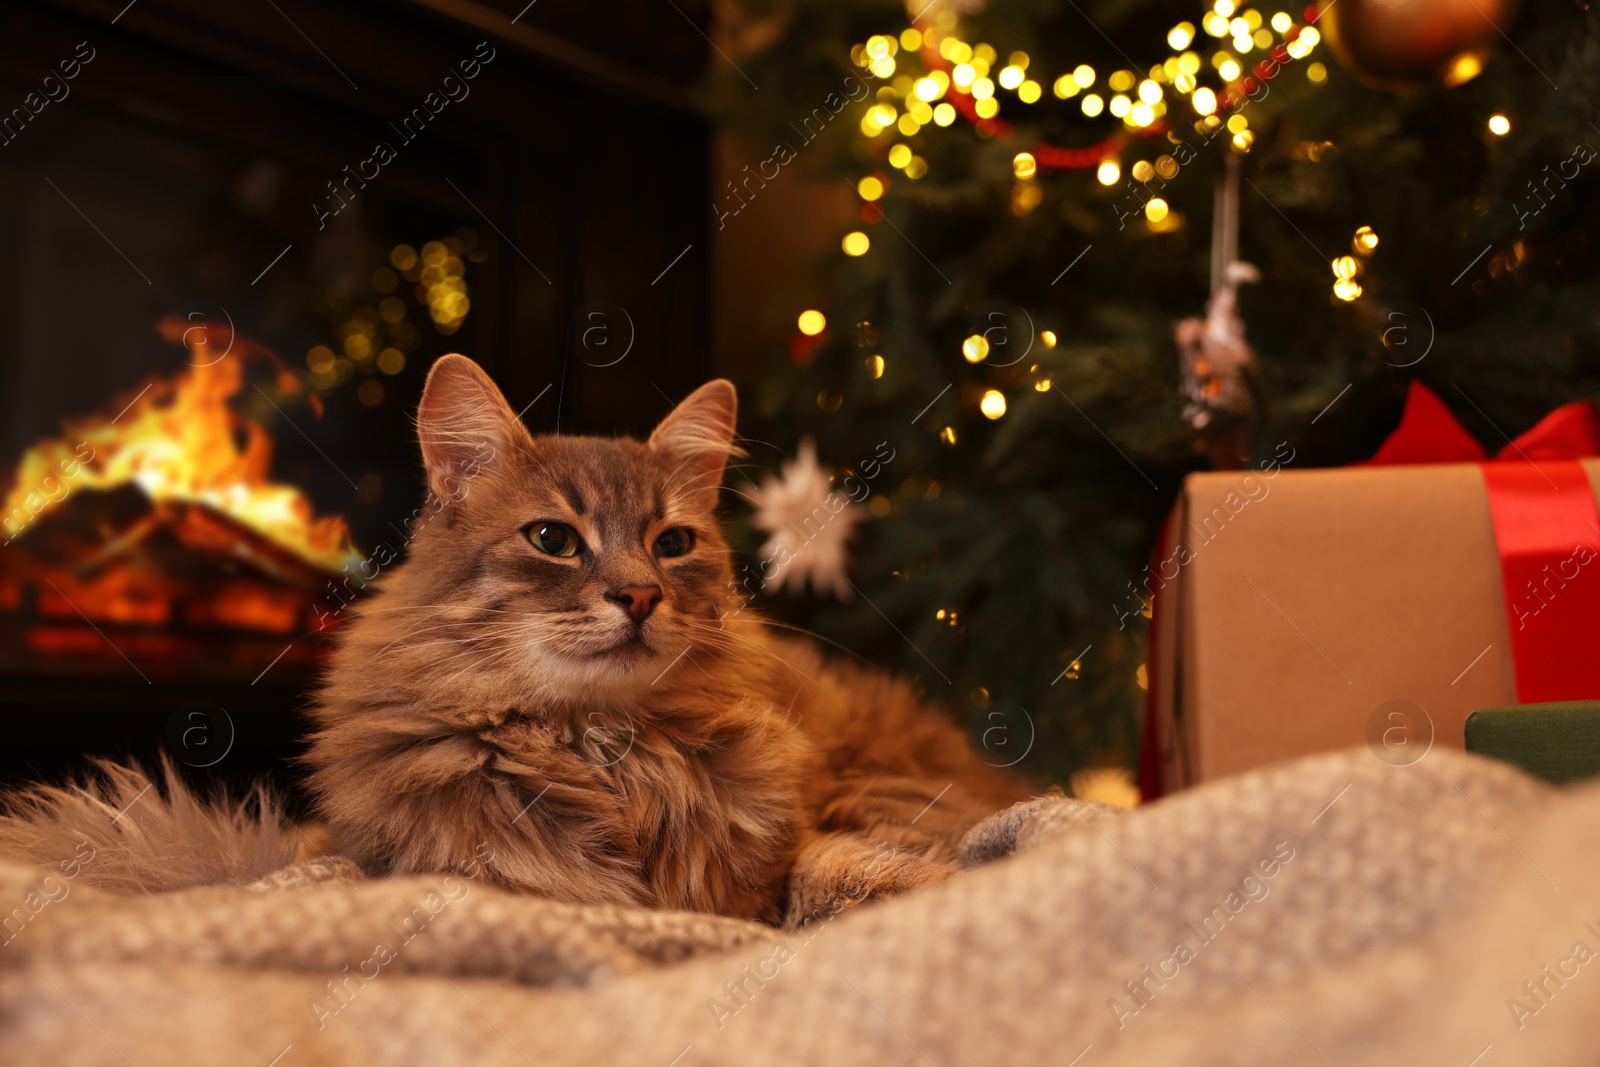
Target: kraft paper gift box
(1299,611)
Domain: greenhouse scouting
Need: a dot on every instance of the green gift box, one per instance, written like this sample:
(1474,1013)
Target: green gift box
(1558,742)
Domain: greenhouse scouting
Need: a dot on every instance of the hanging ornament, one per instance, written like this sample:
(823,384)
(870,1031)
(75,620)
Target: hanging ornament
(1414,44)
(1216,362)
(809,524)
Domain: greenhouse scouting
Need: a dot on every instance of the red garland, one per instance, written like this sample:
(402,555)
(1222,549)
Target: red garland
(1050,157)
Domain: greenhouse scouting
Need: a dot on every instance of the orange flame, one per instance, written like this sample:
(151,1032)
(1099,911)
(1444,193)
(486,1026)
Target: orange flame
(178,440)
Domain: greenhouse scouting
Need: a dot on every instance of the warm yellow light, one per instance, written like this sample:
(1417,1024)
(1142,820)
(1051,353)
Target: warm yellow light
(1142,114)
(927,89)
(1365,241)
(1344,267)
(1242,45)
(963,75)
(1121,81)
(1252,18)
(1243,140)
(1042,385)
(975,349)
(1239,28)
(948,435)
(1262,38)
(391,361)
(987,109)
(1156,209)
(870,188)
(982,89)
(1309,37)
(1019,60)
(856,243)
(899,155)
(1282,21)
(1184,82)
(1010,77)
(1346,289)
(1224,7)
(944,115)
(916,168)
(1464,69)
(993,404)
(883,67)
(1149,91)
(1120,106)
(1499,125)
(1065,87)
(812,322)
(1093,105)
(870,125)
(1204,100)
(911,39)
(908,125)
(1024,165)
(1297,48)
(877,46)
(1229,70)
(1216,25)
(1180,36)
(1189,63)
(1237,123)
(1142,171)
(1108,172)
(1317,73)
(1047,338)
(1030,91)
(883,115)
(1083,75)
(875,366)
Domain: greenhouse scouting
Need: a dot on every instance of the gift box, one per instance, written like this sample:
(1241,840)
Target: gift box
(1559,742)
(1298,611)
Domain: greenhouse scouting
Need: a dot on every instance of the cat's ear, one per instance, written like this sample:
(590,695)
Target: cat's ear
(697,438)
(465,426)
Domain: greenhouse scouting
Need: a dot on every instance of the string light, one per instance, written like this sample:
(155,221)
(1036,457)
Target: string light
(1365,241)
(1499,125)
(856,243)
(870,188)
(875,367)
(993,404)
(1204,101)
(812,322)
(1156,209)
(975,349)
(1048,338)
(1093,105)
(1180,36)
(1024,166)
(1108,172)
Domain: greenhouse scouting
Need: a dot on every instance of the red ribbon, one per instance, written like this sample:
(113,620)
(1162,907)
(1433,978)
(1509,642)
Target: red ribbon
(1546,529)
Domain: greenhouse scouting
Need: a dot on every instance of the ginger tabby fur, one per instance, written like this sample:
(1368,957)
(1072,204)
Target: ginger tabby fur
(490,693)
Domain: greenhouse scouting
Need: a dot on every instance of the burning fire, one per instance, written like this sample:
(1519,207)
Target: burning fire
(179,441)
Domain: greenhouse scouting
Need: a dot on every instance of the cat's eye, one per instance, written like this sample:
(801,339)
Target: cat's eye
(675,542)
(555,538)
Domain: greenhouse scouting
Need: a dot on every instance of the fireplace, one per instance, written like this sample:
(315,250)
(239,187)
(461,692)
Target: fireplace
(218,329)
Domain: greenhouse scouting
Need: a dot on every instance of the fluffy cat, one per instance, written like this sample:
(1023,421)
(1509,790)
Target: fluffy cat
(561,673)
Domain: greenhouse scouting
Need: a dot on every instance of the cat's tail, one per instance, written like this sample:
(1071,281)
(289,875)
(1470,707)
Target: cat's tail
(121,830)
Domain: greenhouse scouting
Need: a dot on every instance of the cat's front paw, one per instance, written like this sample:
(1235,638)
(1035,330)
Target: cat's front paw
(840,877)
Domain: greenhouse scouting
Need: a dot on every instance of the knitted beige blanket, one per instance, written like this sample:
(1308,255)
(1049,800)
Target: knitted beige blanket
(1336,910)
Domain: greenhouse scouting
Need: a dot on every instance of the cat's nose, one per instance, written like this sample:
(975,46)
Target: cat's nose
(637,600)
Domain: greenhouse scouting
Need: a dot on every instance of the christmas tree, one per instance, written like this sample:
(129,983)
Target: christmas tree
(1019,317)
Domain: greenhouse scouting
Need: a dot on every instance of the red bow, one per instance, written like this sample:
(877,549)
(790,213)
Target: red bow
(1429,433)
(1546,529)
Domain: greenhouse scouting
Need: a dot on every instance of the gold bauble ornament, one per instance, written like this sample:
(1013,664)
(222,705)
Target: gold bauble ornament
(1414,44)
